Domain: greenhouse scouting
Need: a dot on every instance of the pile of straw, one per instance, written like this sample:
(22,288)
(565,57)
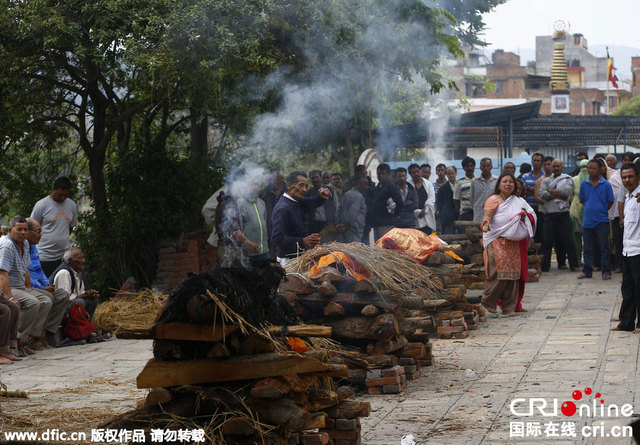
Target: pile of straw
(390,269)
(137,311)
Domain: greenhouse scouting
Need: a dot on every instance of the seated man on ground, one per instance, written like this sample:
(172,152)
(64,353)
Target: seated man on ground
(70,277)
(9,315)
(40,281)
(38,308)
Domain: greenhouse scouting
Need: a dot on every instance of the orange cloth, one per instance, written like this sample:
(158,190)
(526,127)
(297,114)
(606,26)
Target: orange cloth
(297,344)
(415,243)
(352,267)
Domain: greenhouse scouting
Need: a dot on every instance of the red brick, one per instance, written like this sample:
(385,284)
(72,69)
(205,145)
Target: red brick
(413,375)
(409,369)
(374,390)
(384,381)
(335,434)
(404,361)
(321,438)
(392,389)
(450,329)
(393,371)
(445,323)
(464,334)
(330,422)
(346,424)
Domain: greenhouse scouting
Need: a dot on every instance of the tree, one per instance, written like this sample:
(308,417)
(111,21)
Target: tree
(630,108)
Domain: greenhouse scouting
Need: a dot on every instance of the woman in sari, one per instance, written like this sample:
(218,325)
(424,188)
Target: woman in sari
(507,220)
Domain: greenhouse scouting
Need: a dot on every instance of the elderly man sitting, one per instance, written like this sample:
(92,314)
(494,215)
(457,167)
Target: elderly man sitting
(39,309)
(70,276)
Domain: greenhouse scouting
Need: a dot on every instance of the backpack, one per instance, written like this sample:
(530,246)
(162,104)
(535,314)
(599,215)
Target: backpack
(76,324)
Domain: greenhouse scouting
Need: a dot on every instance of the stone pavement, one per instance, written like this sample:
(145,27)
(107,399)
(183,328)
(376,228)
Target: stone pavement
(561,345)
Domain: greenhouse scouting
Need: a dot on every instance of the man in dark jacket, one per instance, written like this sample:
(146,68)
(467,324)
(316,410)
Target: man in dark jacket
(290,231)
(386,203)
(407,218)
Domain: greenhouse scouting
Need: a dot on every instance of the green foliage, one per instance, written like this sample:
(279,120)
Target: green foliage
(153,195)
(630,108)
(122,93)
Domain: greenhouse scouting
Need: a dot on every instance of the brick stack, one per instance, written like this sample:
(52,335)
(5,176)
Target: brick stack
(177,257)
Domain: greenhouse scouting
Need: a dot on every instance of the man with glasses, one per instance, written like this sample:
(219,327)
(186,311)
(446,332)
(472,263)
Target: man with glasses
(40,281)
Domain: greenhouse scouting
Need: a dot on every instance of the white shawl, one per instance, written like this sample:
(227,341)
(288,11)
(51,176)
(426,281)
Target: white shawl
(506,221)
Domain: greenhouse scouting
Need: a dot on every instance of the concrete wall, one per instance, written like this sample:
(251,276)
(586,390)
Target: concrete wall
(595,67)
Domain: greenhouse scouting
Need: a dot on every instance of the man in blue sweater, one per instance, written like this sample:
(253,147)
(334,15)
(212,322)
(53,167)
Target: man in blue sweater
(290,231)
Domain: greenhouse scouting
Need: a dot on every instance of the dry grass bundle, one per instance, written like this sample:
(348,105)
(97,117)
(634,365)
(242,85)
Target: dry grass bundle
(390,269)
(136,312)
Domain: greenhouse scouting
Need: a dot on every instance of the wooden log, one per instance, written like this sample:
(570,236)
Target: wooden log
(270,388)
(384,300)
(447,269)
(158,396)
(434,258)
(284,412)
(193,332)
(364,287)
(382,360)
(412,302)
(256,344)
(414,350)
(165,374)
(238,426)
(382,348)
(302,330)
(383,327)
(321,398)
(345,392)
(432,305)
(453,294)
(444,280)
(298,283)
(333,309)
(327,288)
(370,311)
(409,325)
(218,350)
(350,410)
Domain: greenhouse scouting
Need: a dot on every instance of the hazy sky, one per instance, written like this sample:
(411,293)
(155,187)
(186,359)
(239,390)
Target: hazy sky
(515,23)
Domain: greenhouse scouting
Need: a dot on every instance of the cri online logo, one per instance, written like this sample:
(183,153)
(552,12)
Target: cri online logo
(569,408)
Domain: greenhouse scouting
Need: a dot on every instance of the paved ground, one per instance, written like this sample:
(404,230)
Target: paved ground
(561,345)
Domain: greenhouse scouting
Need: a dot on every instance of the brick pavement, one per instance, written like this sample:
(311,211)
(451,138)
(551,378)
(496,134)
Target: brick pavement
(562,344)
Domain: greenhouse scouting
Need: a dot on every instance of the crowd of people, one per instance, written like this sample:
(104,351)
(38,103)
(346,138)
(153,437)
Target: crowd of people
(560,211)
(42,278)
(596,206)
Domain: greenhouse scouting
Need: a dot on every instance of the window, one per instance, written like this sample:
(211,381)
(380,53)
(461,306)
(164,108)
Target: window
(499,85)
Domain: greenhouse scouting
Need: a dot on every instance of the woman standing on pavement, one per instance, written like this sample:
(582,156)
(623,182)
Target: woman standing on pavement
(507,219)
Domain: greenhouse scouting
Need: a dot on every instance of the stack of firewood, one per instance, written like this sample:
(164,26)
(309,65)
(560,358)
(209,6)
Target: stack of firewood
(368,321)
(240,383)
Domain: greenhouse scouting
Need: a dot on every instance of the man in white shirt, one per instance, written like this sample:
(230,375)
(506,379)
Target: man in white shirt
(58,216)
(70,276)
(614,213)
(630,308)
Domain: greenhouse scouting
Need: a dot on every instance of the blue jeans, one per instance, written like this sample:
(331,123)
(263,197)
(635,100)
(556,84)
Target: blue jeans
(598,235)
